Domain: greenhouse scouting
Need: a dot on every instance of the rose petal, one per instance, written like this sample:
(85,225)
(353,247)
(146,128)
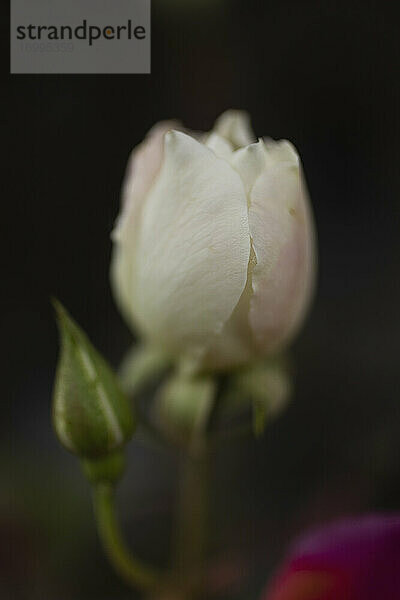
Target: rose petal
(193,248)
(143,166)
(283,240)
(234,126)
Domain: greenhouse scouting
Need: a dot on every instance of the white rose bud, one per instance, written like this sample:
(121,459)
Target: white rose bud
(214,255)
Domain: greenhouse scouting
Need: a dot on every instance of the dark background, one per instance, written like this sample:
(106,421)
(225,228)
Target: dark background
(324,75)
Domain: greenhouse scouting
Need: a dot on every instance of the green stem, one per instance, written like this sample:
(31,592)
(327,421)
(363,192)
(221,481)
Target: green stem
(192,518)
(132,570)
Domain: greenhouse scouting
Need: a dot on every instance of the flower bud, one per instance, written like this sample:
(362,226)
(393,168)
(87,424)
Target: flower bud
(214,254)
(91,414)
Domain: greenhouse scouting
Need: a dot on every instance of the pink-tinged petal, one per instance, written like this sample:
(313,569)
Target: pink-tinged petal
(143,167)
(283,240)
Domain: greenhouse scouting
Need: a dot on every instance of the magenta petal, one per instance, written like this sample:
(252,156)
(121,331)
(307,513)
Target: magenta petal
(360,557)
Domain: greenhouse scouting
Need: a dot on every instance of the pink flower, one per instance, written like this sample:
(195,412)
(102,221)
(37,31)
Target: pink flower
(353,559)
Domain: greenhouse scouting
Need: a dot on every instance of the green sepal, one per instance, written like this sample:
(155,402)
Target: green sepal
(265,386)
(107,469)
(183,406)
(140,366)
(91,414)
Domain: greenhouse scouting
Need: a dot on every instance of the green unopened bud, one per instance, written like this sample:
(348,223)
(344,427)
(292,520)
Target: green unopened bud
(91,414)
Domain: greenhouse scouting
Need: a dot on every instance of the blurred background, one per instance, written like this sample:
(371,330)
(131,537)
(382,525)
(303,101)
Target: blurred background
(324,75)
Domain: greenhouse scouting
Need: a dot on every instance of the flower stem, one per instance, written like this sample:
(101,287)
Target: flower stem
(192,518)
(132,570)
